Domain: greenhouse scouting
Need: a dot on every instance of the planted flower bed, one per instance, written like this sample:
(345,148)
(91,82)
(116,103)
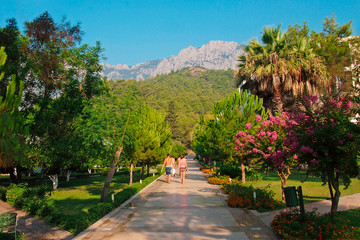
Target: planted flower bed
(288,225)
(243,196)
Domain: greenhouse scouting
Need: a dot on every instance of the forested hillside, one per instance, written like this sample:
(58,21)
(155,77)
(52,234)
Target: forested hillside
(183,95)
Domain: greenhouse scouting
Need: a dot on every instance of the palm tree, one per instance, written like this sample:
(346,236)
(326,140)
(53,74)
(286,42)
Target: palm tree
(280,70)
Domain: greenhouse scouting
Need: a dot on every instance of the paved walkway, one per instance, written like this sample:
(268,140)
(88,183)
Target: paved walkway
(194,210)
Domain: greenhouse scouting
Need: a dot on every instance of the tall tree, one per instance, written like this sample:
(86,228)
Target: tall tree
(62,77)
(11,39)
(12,130)
(172,118)
(102,127)
(232,113)
(152,139)
(47,46)
(332,45)
(280,70)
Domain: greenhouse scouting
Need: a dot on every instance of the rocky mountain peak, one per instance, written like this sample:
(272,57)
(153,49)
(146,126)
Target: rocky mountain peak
(213,55)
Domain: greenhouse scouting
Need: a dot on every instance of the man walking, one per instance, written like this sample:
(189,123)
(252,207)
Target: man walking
(167,163)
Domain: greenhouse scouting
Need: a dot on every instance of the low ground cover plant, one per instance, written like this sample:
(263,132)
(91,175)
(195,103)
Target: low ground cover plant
(289,225)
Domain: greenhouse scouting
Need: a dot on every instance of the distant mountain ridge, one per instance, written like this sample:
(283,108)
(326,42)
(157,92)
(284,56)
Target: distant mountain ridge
(213,55)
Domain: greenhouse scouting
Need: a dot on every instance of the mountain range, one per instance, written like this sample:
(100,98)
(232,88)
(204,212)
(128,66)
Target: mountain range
(213,55)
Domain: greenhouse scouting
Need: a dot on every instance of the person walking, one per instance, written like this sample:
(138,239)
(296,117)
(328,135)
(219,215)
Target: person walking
(182,168)
(173,171)
(167,164)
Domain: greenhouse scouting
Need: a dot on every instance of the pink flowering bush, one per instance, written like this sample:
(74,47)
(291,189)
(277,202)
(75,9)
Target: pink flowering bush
(329,141)
(274,144)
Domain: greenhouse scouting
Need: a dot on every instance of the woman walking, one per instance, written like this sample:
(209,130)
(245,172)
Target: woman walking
(182,168)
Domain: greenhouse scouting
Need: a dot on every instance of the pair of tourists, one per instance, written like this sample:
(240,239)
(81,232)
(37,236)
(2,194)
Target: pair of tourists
(169,164)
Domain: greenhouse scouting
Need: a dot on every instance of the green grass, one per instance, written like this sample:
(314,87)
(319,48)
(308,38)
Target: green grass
(312,188)
(78,195)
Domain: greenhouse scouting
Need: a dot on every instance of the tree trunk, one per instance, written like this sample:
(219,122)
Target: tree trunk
(19,174)
(131,172)
(55,181)
(283,174)
(334,183)
(110,175)
(243,177)
(148,170)
(68,173)
(142,170)
(89,170)
(277,100)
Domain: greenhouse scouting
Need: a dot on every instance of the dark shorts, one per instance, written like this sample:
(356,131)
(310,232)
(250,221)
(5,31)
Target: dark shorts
(168,170)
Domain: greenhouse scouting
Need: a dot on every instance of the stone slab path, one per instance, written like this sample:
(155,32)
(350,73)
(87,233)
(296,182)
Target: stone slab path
(193,210)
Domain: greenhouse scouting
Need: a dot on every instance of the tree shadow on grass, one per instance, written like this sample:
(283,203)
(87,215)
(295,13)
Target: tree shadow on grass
(74,206)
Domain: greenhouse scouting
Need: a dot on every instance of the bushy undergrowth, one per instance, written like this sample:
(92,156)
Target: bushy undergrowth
(288,225)
(33,200)
(243,197)
(234,171)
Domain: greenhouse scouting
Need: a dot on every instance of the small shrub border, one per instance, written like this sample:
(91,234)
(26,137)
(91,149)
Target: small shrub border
(288,225)
(242,197)
(207,170)
(222,180)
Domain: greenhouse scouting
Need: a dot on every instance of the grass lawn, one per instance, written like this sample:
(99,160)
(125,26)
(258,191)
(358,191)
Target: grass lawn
(77,195)
(312,188)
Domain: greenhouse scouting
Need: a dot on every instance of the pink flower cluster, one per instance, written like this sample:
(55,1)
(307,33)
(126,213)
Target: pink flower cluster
(272,140)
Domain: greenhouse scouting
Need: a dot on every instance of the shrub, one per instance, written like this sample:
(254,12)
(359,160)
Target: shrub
(101,209)
(234,171)
(33,200)
(230,170)
(77,224)
(289,226)
(124,195)
(242,197)
(14,194)
(46,208)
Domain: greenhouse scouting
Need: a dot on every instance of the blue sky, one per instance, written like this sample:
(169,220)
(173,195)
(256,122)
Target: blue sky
(134,31)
